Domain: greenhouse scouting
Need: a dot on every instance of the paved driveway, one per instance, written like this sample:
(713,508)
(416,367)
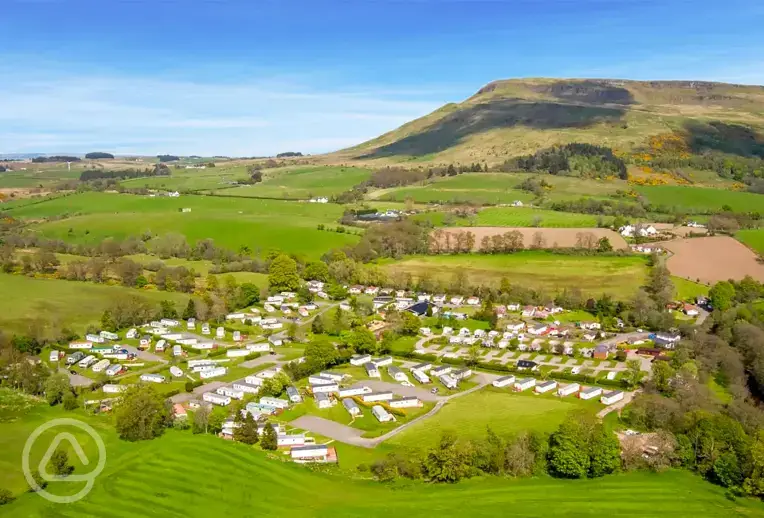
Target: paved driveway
(77,380)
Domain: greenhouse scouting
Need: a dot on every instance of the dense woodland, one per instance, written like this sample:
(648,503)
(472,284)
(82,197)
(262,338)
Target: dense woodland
(584,160)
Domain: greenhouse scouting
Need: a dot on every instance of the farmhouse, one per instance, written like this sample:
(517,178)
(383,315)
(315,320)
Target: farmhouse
(396,373)
(351,406)
(323,401)
(524,384)
(360,359)
(290,440)
(448,381)
(377,396)
(611,397)
(274,402)
(590,393)
(440,371)
(420,376)
(354,391)
(313,452)
(293,394)
(406,402)
(503,381)
(545,386)
(382,415)
(216,399)
(371,370)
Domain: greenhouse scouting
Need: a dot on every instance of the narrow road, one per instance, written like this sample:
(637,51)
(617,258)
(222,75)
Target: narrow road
(627,397)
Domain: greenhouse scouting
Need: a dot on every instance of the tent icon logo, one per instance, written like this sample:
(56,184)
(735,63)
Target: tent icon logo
(42,468)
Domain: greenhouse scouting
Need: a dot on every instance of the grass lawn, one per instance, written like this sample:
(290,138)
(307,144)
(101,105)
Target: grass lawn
(618,276)
(303,182)
(687,290)
(701,199)
(754,238)
(404,344)
(504,411)
(230,222)
(64,303)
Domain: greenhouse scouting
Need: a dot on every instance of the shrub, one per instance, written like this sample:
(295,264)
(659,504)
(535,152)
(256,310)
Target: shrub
(6,496)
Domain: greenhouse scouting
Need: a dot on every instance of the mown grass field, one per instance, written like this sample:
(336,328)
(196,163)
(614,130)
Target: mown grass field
(701,199)
(686,289)
(66,303)
(753,238)
(230,222)
(192,179)
(618,276)
(186,475)
(303,183)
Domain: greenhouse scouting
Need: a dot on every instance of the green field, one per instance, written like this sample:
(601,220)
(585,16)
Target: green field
(517,217)
(230,222)
(505,412)
(701,199)
(38,175)
(754,238)
(618,276)
(192,179)
(688,289)
(64,303)
(303,183)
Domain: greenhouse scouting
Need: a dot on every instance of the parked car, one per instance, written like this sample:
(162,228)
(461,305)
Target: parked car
(73,372)
(434,390)
(407,384)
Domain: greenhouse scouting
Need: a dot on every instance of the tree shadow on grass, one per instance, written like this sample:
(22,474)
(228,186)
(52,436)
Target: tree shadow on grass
(734,139)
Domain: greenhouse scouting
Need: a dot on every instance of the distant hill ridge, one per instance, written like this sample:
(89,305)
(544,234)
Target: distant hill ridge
(512,117)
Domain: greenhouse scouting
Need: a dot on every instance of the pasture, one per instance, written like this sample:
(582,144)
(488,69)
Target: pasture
(700,199)
(303,183)
(230,222)
(192,179)
(753,238)
(160,477)
(62,303)
(618,276)
(516,217)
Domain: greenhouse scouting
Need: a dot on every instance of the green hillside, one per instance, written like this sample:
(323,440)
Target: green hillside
(513,117)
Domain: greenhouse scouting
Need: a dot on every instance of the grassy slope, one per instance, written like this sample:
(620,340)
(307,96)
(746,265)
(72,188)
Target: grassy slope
(303,183)
(754,238)
(186,475)
(70,303)
(698,198)
(192,179)
(231,222)
(620,276)
(509,118)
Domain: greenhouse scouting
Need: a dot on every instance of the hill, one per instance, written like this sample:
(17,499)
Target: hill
(520,116)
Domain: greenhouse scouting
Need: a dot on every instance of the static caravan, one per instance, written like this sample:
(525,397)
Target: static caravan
(230,392)
(87,361)
(98,339)
(611,375)
(422,367)
(371,370)
(74,358)
(254,380)
(546,386)
(440,371)
(176,371)
(274,402)
(152,378)
(203,346)
(334,376)
(256,409)
(80,345)
(590,393)
(113,370)
(524,384)
(293,394)
(323,401)
(354,391)
(246,387)
(448,381)
(420,376)
(310,453)
(177,350)
(216,399)
(113,389)
(159,347)
(503,381)
(236,353)
(317,379)
(383,362)
(220,332)
(377,396)
(213,373)
(570,388)
(360,359)
(101,366)
(290,440)
(461,374)
(237,336)
(325,388)
(351,406)
(406,402)
(145,341)
(168,322)
(191,324)
(269,373)
(396,373)
(108,335)
(382,415)
(258,348)
(187,341)
(205,329)
(611,397)
(131,333)
(53,357)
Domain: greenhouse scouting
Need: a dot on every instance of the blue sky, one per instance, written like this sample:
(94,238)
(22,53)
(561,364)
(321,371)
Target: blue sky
(257,77)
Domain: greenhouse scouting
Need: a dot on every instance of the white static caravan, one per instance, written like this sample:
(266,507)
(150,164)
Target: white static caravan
(236,353)
(101,366)
(461,374)
(570,388)
(159,347)
(258,348)
(396,373)
(187,341)
(113,389)
(80,345)
(213,373)
(590,393)
(383,362)
(351,406)
(177,350)
(323,401)
(191,324)
(220,332)
(359,359)
(317,379)
(354,391)
(216,399)
(246,387)
(310,453)
(131,333)
(87,361)
(203,346)
(237,336)
(325,388)
(406,402)
(334,376)
(441,370)
(611,397)
(274,402)
(290,440)
(420,376)
(611,375)
(293,394)
(371,370)
(108,335)
(448,381)
(422,367)
(545,386)
(503,381)
(524,384)
(168,322)
(253,380)
(53,356)
(152,378)
(230,392)
(98,339)
(176,371)
(377,396)
(382,415)
(113,370)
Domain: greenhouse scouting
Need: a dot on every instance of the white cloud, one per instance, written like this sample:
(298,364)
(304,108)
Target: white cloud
(155,115)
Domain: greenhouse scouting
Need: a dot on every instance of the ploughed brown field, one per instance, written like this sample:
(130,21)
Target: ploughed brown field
(712,259)
(554,237)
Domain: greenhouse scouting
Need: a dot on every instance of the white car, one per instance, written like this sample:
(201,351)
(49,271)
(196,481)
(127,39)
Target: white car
(407,384)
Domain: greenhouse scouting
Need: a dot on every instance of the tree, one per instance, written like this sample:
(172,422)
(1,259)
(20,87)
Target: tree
(605,453)
(363,341)
(70,401)
(320,353)
(722,295)
(317,326)
(569,450)
(201,420)
(190,311)
(39,483)
(633,372)
(449,461)
(410,324)
(107,321)
(59,463)
(604,245)
(754,484)
(248,294)
(316,271)
(269,440)
(282,274)
(56,387)
(6,497)
(142,414)
(247,432)
(167,309)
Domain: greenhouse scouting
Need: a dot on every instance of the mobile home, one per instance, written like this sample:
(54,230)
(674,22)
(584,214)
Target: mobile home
(113,370)
(274,402)
(113,389)
(590,393)
(377,396)
(524,384)
(545,386)
(101,366)
(294,394)
(405,402)
(420,376)
(87,361)
(570,388)
(611,397)
(213,373)
(448,381)
(354,391)
(216,399)
(152,378)
(351,406)
(230,392)
(382,415)
(503,381)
